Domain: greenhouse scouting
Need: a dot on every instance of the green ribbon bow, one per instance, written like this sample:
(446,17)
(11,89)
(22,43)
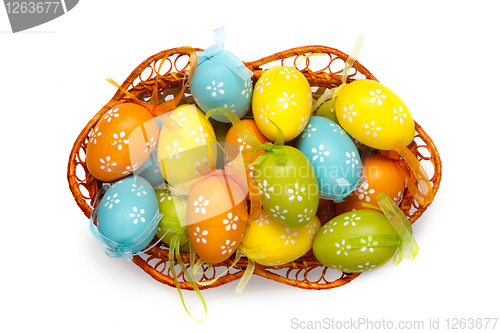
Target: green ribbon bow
(274,149)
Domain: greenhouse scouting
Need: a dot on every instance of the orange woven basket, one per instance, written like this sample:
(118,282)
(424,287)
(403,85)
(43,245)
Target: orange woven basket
(306,272)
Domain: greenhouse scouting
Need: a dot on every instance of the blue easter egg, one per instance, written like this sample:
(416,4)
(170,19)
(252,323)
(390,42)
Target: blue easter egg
(128,213)
(215,84)
(150,170)
(334,157)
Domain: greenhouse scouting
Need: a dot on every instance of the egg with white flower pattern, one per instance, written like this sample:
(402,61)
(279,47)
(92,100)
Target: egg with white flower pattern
(282,95)
(173,208)
(382,175)
(374,115)
(121,141)
(185,144)
(213,225)
(128,213)
(215,84)
(356,241)
(334,157)
(270,243)
(287,190)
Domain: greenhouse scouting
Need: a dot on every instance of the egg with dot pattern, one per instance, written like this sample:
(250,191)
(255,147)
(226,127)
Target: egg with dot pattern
(128,211)
(289,189)
(213,225)
(382,175)
(186,143)
(374,115)
(270,243)
(282,95)
(121,141)
(333,155)
(214,85)
(371,231)
(173,208)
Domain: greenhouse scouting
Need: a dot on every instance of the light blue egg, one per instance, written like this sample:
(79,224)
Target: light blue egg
(334,157)
(222,80)
(150,170)
(128,213)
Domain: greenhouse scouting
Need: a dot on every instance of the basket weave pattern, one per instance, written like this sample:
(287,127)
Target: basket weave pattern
(305,272)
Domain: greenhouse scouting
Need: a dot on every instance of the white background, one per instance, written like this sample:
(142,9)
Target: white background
(440,57)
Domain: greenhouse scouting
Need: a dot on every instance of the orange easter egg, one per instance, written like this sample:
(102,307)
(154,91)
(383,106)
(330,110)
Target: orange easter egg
(326,210)
(382,175)
(213,225)
(121,141)
(234,144)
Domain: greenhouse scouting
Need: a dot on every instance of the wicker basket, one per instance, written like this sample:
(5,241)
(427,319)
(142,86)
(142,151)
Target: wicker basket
(305,272)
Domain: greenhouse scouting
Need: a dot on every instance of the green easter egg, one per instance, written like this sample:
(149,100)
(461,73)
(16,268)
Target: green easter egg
(356,241)
(173,209)
(325,111)
(289,192)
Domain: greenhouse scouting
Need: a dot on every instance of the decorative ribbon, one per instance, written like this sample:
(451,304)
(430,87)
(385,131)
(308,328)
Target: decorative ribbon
(200,262)
(399,221)
(406,245)
(174,251)
(124,250)
(251,254)
(418,183)
(333,93)
(217,51)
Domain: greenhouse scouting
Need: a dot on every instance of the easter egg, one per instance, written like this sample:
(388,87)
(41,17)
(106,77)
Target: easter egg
(234,144)
(374,115)
(173,221)
(282,95)
(326,111)
(270,243)
(334,245)
(213,225)
(121,141)
(215,84)
(186,145)
(150,170)
(327,209)
(288,191)
(382,175)
(333,155)
(128,213)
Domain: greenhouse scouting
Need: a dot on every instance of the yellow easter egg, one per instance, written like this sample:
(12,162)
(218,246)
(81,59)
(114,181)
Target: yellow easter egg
(282,95)
(270,243)
(185,144)
(374,115)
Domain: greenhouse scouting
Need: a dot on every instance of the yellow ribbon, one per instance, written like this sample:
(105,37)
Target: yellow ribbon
(174,250)
(251,254)
(399,221)
(200,263)
(333,93)
(403,239)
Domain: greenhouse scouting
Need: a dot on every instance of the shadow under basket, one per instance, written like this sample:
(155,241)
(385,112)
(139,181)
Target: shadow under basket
(322,72)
